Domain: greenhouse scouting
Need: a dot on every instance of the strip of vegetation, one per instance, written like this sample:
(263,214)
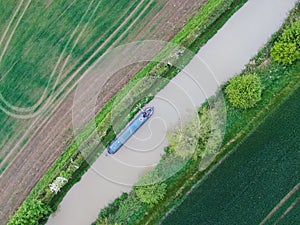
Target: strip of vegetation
(277,82)
(71,165)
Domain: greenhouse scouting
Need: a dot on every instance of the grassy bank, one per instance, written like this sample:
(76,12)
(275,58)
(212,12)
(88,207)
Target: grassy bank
(278,82)
(71,164)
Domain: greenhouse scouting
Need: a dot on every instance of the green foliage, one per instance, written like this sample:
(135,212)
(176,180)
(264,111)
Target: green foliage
(104,221)
(110,211)
(244,91)
(200,135)
(151,194)
(129,208)
(285,53)
(292,34)
(183,140)
(30,213)
(286,50)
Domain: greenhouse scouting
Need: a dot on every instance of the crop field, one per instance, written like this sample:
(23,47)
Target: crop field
(255,179)
(43,48)
(30,53)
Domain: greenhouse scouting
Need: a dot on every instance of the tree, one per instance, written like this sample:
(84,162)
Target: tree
(244,91)
(285,53)
(151,194)
(183,139)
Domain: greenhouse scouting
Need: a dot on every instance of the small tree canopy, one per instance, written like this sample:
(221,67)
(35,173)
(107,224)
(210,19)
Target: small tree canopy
(183,139)
(244,91)
(151,194)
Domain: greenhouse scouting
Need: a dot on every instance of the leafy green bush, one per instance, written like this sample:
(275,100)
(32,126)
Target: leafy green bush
(286,50)
(151,194)
(285,53)
(244,91)
(109,212)
(30,213)
(104,221)
(292,34)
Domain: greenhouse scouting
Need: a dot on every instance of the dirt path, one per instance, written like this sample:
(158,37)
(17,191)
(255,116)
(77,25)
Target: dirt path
(51,132)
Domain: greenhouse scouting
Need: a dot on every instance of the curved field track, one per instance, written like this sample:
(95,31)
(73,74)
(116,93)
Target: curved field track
(38,142)
(50,103)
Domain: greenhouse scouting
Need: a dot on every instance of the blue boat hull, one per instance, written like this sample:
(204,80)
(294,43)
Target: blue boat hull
(130,130)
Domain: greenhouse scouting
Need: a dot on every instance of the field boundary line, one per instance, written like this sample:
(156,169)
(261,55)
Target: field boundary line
(280,204)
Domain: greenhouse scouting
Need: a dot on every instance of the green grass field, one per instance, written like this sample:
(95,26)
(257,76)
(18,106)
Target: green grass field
(43,34)
(254,179)
(41,45)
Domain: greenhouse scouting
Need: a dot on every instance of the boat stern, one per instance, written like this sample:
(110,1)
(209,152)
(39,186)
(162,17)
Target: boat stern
(148,112)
